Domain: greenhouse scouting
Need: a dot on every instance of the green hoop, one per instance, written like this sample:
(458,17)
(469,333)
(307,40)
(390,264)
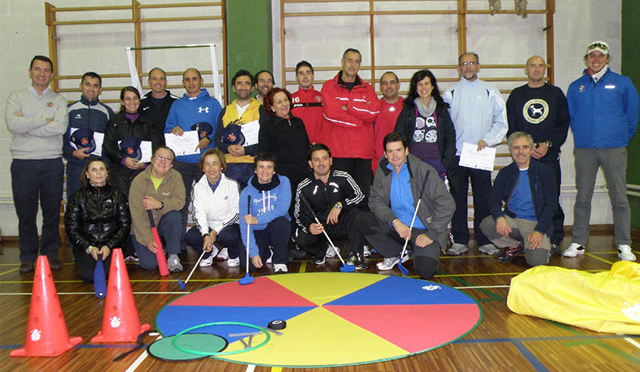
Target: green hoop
(174,342)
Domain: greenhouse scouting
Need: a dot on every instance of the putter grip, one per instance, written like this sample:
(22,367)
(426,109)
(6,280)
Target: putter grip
(162,261)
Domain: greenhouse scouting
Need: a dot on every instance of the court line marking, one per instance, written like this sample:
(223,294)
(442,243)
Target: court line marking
(186,292)
(250,368)
(599,258)
(141,358)
(532,359)
(632,342)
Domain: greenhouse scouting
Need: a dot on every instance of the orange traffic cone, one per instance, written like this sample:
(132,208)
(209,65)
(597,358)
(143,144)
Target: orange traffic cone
(47,334)
(120,322)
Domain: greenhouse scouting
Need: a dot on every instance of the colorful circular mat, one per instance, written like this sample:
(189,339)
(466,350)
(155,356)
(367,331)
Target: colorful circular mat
(333,319)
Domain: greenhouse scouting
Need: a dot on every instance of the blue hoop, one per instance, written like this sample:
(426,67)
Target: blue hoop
(174,342)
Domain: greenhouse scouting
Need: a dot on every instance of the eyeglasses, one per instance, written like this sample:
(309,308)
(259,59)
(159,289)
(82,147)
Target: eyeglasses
(465,64)
(163,158)
(597,46)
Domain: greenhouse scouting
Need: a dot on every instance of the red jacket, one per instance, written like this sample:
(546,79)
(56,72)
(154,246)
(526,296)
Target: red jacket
(349,134)
(307,105)
(384,125)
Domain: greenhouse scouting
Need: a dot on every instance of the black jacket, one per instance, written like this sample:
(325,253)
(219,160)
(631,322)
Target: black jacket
(97,216)
(158,115)
(543,193)
(339,188)
(288,141)
(406,124)
(119,128)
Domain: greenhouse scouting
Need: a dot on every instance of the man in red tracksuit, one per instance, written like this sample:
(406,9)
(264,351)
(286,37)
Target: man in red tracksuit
(307,102)
(350,107)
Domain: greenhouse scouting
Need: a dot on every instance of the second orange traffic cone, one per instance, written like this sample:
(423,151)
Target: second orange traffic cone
(120,322)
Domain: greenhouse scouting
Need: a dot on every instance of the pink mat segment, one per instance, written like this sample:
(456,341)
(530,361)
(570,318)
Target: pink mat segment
(263,292)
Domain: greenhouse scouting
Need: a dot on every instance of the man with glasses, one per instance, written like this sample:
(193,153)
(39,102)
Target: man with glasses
(479,116)
(603,106)
(158,189)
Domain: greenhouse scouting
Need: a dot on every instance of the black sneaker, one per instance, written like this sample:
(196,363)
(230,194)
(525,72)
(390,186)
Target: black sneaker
(317,261)
(510,253)
(356,260)
(555,250)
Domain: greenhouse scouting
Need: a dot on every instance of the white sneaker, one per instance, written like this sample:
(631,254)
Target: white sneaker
(489,249)
(224,254)
(457,249)
(208,261)
(625,254)
(331,252)
(280,268)
(574,250)
(233,262)
(174,264)
(389,262)
(367,251)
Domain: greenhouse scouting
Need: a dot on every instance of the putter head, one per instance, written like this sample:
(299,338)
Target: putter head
(248,279)
(182,285)
(403,269)
(348,268)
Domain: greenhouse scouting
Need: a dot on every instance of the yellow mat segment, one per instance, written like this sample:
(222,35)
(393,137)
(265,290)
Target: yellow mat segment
(322,288)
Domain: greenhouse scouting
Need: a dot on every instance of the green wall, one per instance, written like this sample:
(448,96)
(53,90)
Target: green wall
(249,44)
(630,67)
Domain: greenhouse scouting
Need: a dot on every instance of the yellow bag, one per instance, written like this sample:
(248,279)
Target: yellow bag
(608,301)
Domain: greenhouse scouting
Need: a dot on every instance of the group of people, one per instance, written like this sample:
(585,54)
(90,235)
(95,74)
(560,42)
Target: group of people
(286,174)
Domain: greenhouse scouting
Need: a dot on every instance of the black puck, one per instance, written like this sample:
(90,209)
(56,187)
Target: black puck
(277,325)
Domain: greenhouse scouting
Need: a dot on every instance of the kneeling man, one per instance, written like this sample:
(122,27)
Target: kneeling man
(401,179)
(528,190)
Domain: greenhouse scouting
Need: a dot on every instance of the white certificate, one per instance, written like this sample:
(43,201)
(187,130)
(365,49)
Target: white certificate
(98,138)
(472,158)
(183,145)
(146,150)
(250,131)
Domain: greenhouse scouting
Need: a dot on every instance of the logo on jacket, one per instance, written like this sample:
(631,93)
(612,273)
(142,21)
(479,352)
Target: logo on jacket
(318,98)
(201,109)
(78,116)
(535,111)
(581,89)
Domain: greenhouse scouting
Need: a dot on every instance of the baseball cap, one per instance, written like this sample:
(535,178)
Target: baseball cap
(204,129)
(83,138)
(599,46)
(130,146)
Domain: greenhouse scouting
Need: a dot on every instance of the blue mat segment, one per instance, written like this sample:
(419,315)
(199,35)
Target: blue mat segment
(397,290)
(174,319)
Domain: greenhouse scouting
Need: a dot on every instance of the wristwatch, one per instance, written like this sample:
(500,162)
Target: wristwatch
(161,206)
(549,144)
(338,205)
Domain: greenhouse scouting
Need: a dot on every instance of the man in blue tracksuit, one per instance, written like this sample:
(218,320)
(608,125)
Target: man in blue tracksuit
(603,107)
(527,188)
(198,111)
(88,113)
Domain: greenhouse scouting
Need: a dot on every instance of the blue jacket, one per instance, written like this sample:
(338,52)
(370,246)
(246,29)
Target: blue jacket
(266,206)
(188,111)
(85,114)
(603,114)
(544,193)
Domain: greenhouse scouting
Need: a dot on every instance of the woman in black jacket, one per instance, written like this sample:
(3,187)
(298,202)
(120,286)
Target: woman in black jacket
(128,125)
(285,136)
(96,220)
(426,123)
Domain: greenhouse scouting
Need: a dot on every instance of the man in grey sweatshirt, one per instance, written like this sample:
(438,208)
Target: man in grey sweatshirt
(37,119)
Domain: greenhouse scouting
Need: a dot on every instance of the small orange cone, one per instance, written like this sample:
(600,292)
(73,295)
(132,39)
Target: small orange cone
(47,334)
(120,322)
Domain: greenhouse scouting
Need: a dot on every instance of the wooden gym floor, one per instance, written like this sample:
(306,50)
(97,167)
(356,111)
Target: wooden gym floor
(504,341)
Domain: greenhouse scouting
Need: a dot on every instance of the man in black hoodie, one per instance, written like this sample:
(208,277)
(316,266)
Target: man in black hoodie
(156,104)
